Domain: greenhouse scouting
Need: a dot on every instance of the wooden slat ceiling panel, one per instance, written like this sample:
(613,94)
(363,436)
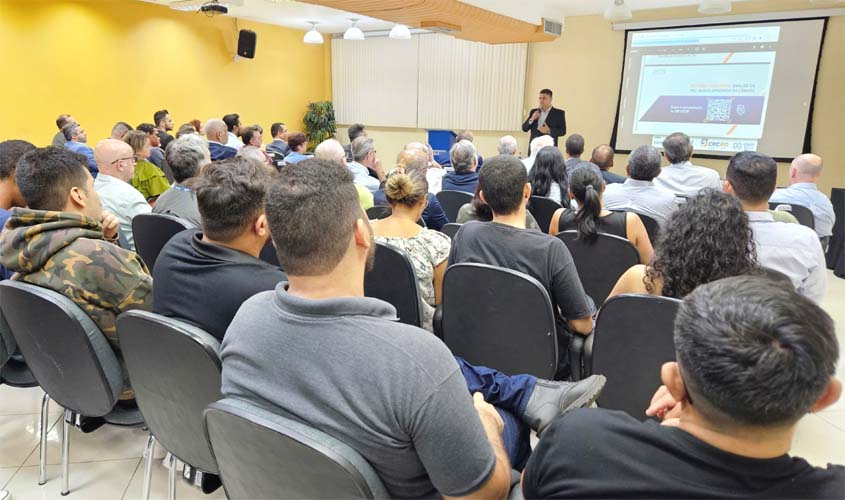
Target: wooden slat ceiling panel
(474,23)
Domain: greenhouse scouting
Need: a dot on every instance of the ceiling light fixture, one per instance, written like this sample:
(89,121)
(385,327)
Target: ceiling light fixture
(313,36)
(353,32)
(711,7)
(618,10)
(400,32)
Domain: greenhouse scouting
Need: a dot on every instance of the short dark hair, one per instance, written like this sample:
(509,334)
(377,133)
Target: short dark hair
(753,176)
(146,127)
(231,121)
(754,352)
(275,128)
(575,145)
(312,208)
(355,130)
(160,115)
(62,120)
(644,163)
(10,152)
(548,92)
(246,134)
(230,195)
(45,176)
(502,181)
(677,148)
(296,139)
(70,129)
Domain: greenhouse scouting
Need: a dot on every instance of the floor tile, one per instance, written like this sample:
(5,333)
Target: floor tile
(19,436)
(6,473)
(158,488)
(15,401)
(94,481)
(818,441)
(109,442)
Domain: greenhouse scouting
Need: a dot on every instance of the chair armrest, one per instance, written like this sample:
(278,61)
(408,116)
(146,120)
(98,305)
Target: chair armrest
(576,355)
(437,321)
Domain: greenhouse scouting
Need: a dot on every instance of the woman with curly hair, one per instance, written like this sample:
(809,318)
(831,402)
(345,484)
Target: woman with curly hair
(548,176)
(706,239)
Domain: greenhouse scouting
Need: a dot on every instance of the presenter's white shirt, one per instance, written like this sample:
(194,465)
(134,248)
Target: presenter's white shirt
(543,115)
(119,198)
(688,179)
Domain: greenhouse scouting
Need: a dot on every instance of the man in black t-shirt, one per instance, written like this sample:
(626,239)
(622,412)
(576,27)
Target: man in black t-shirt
(753,357)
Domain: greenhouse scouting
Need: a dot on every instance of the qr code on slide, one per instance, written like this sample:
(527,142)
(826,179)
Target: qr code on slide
(718,110)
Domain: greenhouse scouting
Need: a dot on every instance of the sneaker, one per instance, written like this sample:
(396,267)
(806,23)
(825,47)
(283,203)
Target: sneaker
(551,399)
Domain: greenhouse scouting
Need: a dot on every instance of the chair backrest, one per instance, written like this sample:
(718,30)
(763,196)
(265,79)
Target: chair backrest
(600,263)
(452,201)
(450,229)
(263,454)
(499,318)
(652,228)
(152,231)
(393,279)
(543,209)
(175,372)
(379,212)
(69,356)
(803,214)
(632,339)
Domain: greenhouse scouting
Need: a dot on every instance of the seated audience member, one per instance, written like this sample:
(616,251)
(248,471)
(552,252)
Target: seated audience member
(690,252)
(64,240)
(185,129)
(507,145)
(416,162)
(119,130)
(233,131)
(574,149)
(466,135)
(252,136)
(464,160)
(548,176)
(185,156)
(197,125)
(422,435)
(364,162)
(803,174)
(681,176)
(215,130)
(504,242)
(792,249)
(257,155)
(10,195)
(331,150)
(193,265)
(279,146)
(602,157)
(639,193)
(156,153)
(297,143)
(149,180)
(753,358)
(59,139)
(76,141)
(163,124)
(587,188)
(479,210)
(434,174)
(355,131)
(117,167)
(544,141)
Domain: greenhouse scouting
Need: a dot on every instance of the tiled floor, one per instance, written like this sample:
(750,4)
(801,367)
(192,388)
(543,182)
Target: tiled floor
(107,464)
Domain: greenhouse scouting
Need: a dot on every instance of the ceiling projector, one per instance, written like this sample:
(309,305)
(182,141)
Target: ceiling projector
(213,8)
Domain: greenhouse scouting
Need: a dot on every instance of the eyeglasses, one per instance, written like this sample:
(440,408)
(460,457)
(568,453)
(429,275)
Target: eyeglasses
(133,159)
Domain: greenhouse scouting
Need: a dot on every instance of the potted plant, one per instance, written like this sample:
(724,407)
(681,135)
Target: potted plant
(319,123)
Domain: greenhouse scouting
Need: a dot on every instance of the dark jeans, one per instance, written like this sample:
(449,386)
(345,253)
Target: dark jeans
(510,395)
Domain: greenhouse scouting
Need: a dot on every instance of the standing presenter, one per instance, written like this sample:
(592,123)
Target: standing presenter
(546,120)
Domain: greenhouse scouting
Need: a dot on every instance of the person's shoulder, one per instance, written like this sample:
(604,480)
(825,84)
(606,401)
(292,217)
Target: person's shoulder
(103,254)
(591,425)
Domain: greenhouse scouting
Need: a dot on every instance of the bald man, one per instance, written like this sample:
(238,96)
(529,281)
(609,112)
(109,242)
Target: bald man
(435,172)
(218,134)
(332,150)
(803,174)
(603,157)
(117,166)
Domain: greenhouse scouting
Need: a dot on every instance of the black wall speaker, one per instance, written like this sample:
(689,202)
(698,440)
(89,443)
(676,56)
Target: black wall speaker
(246,43)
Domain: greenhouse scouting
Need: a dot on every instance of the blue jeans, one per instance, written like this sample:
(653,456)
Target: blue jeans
(510,395)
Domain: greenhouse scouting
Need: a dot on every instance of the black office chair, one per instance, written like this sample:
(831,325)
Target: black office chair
(69,356)
(632,339)
(451,229)
(175,371)
(499,318)
(393,279)
(452,201)
(803,214)
(152,231)
(379,212)
(600,263)
(543,209)
(263,454)
(652,228)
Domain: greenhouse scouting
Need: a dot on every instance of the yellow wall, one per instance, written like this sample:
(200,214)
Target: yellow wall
(120,60)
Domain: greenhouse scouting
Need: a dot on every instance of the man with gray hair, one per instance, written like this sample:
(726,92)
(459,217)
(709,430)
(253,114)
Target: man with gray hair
(507,145)
(464,160)
(119,130)
(332,150)
(434,174)
(537,144)
(803,174)
(365,165)
(681,176)
(638,193)
(218,135)
(186,156)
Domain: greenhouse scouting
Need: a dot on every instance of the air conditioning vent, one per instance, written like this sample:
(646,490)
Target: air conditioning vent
(553,28)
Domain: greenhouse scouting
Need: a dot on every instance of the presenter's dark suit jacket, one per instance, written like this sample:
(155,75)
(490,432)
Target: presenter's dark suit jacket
(556,122)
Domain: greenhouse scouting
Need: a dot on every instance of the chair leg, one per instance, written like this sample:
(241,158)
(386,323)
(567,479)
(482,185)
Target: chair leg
(66,452)
(42,447)
(148,466)
(4,495)
(171,479)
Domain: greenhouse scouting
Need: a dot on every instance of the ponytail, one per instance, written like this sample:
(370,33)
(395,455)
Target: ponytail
(586,186)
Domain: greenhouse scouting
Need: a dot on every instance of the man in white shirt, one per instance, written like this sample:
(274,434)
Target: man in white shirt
(537,144)
(363,161)
(233,125)
(639,193)
(792,249)
(803,174)
(117,166)
(681,176)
